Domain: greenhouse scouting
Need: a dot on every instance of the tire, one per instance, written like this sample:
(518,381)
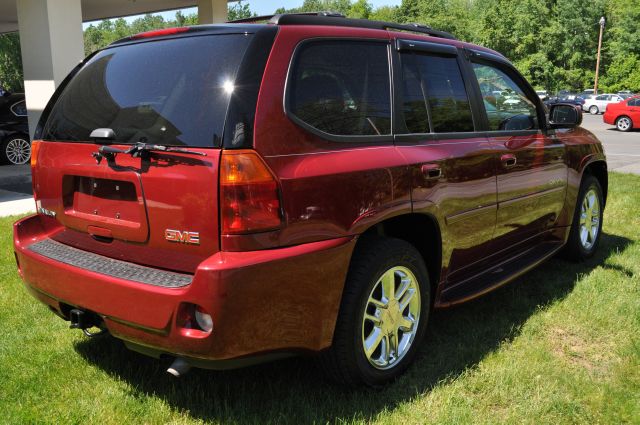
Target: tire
(593,110)
(347,361)
(624,123)
(581,246)
(15,149)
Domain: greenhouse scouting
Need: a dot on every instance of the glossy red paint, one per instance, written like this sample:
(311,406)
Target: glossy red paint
(619,109)
(134,199)
(280,290)
(269,300)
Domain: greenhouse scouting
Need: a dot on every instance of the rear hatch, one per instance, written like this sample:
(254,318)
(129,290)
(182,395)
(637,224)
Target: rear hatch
(158,207)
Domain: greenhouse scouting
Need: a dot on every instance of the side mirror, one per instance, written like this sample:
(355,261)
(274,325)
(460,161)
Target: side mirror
(565,115)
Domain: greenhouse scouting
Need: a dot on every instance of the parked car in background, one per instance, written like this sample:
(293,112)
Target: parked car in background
(15,146)
(565,98)
(586,94)
(542,94)
(223,196)
(624,115)
(597,104)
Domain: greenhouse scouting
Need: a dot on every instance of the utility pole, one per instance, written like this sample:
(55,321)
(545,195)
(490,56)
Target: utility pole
(595,86)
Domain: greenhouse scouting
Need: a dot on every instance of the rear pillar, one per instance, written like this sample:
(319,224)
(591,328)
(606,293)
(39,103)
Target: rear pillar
(212,11)
(52,45)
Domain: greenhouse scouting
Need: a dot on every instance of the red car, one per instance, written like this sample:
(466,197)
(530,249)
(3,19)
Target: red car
(228,194)
(624,115)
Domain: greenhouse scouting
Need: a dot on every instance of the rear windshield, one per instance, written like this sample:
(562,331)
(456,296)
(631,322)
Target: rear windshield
(168,92)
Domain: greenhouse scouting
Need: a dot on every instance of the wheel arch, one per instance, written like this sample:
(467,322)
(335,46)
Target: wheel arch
(615,121)
(598,169)
(420,230)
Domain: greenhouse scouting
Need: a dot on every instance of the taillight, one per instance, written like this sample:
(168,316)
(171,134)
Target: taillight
(35,148)
(249,199)
(35,151)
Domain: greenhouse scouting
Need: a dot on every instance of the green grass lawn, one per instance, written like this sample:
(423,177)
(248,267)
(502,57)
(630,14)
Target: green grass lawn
(559,345)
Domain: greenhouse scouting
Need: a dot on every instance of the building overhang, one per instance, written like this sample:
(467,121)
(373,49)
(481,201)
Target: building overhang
(93,10)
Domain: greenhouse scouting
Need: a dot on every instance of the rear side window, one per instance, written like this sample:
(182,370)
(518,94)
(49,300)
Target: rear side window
(168,92)
(342,87)
(434,83)
(634,102)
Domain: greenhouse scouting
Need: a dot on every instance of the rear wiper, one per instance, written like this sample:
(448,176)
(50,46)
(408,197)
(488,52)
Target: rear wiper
(138,150)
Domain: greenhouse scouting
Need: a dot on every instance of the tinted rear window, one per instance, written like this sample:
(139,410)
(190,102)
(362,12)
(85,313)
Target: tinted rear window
(169,92)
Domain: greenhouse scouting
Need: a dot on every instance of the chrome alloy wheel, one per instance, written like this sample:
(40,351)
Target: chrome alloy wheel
(18,151)
(589,219)
(391,318)
(623,124)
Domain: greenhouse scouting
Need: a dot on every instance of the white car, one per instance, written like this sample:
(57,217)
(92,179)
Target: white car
(542,94)
(598,104)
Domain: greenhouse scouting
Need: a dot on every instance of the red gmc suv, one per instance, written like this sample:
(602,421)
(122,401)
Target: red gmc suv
(228,194)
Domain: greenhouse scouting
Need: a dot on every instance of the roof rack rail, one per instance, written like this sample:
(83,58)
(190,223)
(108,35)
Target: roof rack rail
(267,18)
(339,20)
(336,19)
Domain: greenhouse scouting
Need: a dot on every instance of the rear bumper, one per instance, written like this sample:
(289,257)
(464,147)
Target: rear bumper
(261,301)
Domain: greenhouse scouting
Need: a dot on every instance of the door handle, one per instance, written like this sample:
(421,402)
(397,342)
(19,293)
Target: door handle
(431,171)
(508,160)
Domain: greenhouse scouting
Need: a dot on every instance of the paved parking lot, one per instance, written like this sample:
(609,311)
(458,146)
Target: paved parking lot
(622,149)
(15,190)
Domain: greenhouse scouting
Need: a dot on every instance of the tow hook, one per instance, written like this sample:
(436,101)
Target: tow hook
(80,319)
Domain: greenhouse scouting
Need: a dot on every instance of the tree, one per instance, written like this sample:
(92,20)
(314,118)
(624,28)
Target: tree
(11,63)
(240,11)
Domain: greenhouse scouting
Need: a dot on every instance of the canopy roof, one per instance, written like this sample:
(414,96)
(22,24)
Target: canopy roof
(98,9)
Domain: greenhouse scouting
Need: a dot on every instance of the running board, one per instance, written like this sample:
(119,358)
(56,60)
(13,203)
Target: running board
(498,275)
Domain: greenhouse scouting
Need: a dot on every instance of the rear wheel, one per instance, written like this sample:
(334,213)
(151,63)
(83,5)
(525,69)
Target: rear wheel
(15,149)
(586,228)
(593,109)
(624,123)
(383,315)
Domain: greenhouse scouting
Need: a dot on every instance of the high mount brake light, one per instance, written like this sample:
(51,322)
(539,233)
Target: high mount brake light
(249,198)
(160,33)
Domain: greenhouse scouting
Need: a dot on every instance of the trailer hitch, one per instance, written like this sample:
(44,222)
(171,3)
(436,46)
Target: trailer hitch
(84,320)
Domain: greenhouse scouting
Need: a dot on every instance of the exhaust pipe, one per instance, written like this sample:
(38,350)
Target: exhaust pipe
(179,367)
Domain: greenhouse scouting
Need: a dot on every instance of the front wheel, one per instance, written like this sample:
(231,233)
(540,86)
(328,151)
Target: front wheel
(15,150)
(593,110)
(586,228)
(624,123)
(383,315)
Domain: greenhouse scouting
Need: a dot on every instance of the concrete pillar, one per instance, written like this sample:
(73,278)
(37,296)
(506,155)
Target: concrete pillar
(52,45)
(212,11)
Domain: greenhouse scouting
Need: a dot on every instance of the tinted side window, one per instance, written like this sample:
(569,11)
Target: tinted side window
(602,97)
(508,108)
(634,102)
(438,80)
(342,87)
(413,96)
